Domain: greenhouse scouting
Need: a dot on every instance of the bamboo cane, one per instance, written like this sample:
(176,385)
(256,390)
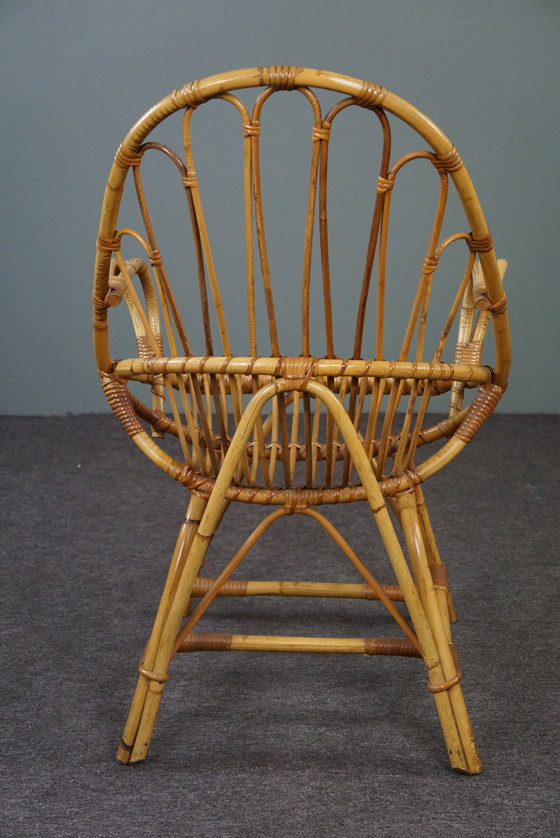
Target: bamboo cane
(199,642)
(304,589)
(417,553)
(139,721)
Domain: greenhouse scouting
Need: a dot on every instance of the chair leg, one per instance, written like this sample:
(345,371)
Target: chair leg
(437,618)
(153,668)
(437,566)
(425,634)
(200,524)
(422,607)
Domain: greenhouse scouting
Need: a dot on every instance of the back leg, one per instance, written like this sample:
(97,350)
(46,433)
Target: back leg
(450,685)
(437,566)
(419,593)
(153,668)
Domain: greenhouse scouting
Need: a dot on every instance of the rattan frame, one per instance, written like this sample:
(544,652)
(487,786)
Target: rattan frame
(220,464)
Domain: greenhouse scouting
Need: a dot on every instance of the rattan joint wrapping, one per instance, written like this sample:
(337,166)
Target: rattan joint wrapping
(188,96)
(321,133)
(482,406)
(499,306)
(439,576)
(449,162)
(282,77)
(161,678)
(483,245)
(119,400)
(210,642)
(125,159)
(389,646)
(109,245)
(385,184)
(252,128)
(469,353)
(371,95)
(445,685)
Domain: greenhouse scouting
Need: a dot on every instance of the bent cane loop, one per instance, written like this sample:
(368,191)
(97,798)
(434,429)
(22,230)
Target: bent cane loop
(218,583)
(366,574)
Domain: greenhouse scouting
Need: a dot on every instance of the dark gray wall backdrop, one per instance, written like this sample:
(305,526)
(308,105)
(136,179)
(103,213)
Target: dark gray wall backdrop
(76,74)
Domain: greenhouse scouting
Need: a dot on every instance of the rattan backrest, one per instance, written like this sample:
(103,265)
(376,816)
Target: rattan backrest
(377,384)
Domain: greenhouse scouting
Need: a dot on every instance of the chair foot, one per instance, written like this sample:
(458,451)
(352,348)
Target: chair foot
(141,722)
(124,752)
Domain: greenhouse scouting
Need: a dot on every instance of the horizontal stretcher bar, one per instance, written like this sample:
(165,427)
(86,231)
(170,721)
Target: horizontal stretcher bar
(240,587)
(301,368)
(199,642)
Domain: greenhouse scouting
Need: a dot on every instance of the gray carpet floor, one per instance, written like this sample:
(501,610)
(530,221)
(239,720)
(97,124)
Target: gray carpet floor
(259,744)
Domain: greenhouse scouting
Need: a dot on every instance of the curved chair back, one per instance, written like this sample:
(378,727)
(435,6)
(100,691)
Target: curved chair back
(413,330)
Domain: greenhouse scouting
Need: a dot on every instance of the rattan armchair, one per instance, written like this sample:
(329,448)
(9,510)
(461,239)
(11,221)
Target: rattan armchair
(301,425)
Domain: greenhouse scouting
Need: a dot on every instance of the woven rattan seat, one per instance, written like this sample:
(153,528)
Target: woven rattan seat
(238,412)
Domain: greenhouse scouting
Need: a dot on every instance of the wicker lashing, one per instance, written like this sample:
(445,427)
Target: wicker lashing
(298,430)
